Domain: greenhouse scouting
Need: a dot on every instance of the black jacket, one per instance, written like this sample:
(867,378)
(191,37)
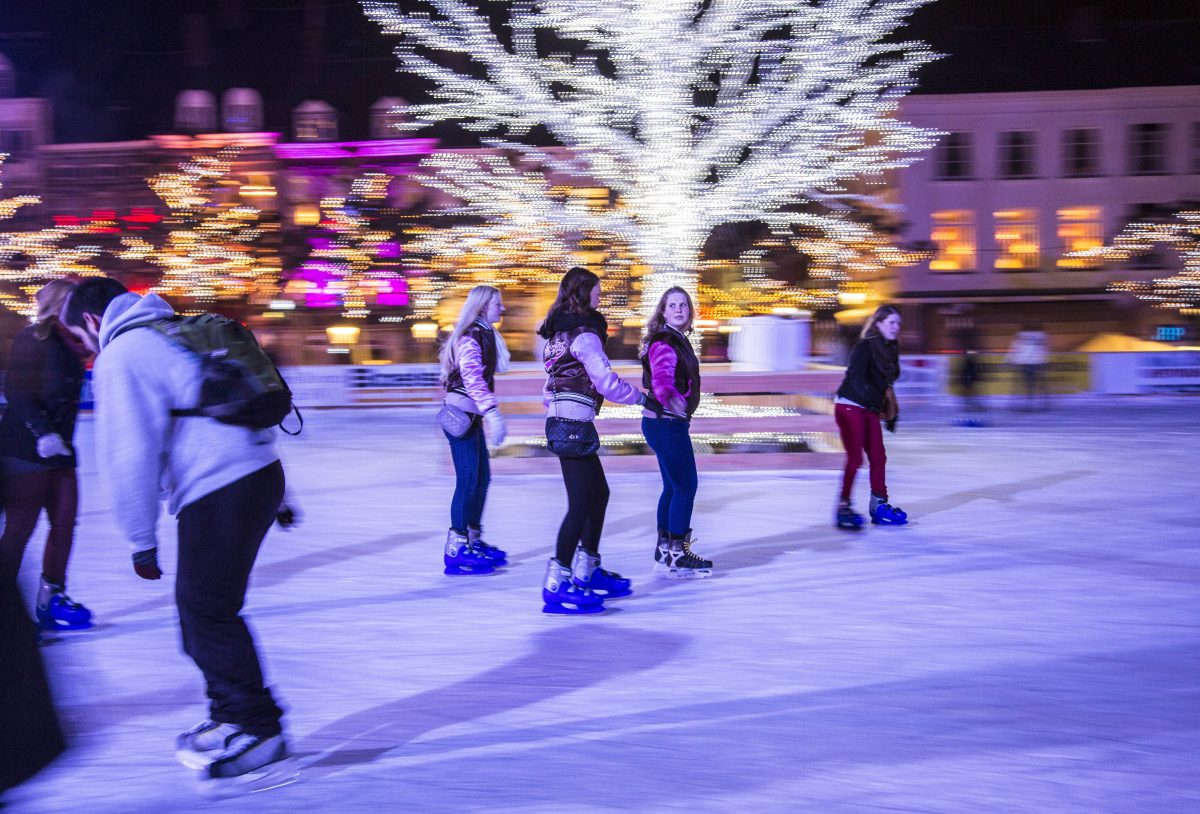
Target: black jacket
(43,385)
(867,379)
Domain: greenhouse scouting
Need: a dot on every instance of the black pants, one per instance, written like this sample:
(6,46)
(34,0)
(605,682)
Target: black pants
(219,537)
(587,499)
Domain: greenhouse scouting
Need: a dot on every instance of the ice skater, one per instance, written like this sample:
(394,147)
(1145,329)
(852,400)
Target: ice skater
(225,484)
(43,386)
(864,400)
(578,379)
(671,371)
(470,418)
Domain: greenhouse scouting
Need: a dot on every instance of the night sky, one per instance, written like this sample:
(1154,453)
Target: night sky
(113,69)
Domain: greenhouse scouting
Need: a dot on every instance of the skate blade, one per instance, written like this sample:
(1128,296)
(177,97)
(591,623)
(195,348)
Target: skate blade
(903,522)
(193,760)
(568,610)
(272,776)
(682,575)
(468,571)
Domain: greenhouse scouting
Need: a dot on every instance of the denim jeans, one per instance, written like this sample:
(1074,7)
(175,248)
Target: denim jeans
(672,444)
(472,474)
(219,538)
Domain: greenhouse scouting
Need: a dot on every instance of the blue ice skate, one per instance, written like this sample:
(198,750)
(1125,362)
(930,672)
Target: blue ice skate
(848,519)
(561,595)
(496,556)
(885,514)
(57,611)
(587,573)
(462,558)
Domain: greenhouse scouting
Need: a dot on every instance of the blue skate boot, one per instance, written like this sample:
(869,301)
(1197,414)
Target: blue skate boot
(587,573)
(885,514)
(461,558)
(56,611)
(496,556)
(561,595)
(848,519)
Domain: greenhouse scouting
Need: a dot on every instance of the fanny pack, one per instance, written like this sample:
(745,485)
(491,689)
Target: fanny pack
(571,438)
(454,421)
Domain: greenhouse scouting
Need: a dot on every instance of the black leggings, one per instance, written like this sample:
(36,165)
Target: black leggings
(587,498)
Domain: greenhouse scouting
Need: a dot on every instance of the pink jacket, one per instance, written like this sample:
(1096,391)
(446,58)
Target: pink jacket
(663,360)
(587,348)
(470,367)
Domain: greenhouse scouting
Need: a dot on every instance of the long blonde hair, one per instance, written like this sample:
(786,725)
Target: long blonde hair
(478,300)
(881,313)
(659,319)
(51,297)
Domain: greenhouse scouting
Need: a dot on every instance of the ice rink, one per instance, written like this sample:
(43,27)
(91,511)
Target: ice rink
(1030,643)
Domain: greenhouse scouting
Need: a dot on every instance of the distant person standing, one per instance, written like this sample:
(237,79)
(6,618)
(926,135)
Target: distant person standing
(671,372)
(578,380)
(470,418)
(1029,354)
(865,400)
(224,483)
(43,386)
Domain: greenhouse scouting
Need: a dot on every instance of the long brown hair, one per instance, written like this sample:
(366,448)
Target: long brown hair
(881,313)
(574,295)
(658,319)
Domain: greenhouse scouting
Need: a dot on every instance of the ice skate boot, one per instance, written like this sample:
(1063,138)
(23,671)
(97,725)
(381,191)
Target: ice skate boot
(497,557)
(682,563)
(197,747)
(885,514)
(561,595)
(249,763)
(660,550)
(587,573)
(461,558)
(847,518)
(56,611)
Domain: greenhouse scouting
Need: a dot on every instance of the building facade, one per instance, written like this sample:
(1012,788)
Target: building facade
(1017,183)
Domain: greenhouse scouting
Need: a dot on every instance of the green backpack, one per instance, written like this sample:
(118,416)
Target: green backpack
(240,384)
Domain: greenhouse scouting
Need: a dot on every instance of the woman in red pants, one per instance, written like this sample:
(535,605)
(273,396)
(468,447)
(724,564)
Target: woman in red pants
(45,378)
(864,401)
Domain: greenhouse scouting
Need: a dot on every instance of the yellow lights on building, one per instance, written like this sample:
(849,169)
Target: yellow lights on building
(954,235)
(1016,235)
(342,334)
(425,330)
(1080,229)
(306,215)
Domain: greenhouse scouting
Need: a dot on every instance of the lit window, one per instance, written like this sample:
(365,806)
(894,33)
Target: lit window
(953,158)
(1148,149)
(954,234)
(1080,228)
(1017,239)
(1081,153)
(1018,154)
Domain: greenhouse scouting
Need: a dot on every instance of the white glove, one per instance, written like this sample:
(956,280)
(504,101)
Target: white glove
(52,444)
(493,427)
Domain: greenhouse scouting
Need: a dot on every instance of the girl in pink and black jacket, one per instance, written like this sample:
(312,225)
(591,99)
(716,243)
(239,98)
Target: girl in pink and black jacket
(472,355)
(671,371)
(578,380)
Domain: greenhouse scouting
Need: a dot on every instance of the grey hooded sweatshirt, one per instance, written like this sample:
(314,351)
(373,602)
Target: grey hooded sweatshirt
(145,453)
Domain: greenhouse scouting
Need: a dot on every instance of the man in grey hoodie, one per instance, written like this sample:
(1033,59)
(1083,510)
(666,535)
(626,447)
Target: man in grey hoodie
(224,483)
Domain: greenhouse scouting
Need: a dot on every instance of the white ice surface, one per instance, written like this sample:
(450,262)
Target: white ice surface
(1028,644)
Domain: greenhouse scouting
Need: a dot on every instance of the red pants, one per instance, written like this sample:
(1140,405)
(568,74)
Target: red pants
(861,429)
(26,494)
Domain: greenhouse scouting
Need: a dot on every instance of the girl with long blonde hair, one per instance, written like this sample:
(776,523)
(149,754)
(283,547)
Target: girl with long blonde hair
(470,418)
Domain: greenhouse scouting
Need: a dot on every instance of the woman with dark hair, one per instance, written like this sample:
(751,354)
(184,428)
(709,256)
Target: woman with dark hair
(44,382)
(864,400)
(671,371)
(578,380)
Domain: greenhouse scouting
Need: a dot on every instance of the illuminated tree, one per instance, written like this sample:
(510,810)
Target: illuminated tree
(694,113)
(1181,232)
(211,251)
(30,259)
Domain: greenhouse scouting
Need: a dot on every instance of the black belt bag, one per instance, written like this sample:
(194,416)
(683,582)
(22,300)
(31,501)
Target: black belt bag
(569,438)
